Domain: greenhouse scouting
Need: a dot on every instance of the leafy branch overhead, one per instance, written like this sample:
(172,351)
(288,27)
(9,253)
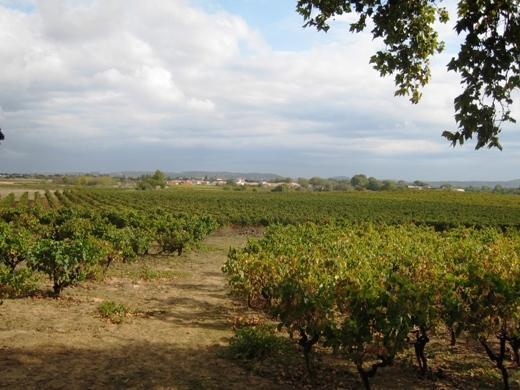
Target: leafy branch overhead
(488,61)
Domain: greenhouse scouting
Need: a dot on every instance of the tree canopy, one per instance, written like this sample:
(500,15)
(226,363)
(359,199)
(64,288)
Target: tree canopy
(488,60)
(158,179)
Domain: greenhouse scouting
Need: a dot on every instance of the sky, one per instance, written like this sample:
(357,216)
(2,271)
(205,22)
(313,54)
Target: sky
(220,85)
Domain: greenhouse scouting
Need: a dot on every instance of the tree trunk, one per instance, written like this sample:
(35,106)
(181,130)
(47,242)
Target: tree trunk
(419,345)
(514,342)
(505,376)
(453,338)
(56,288)
(307,345)
(498,359)
(367,374)
(109,261)
(364,378)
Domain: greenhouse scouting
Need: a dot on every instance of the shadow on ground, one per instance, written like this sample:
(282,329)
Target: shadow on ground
(140,366)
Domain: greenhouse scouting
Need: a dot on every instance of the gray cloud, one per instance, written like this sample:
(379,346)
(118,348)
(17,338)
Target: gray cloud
(112,85)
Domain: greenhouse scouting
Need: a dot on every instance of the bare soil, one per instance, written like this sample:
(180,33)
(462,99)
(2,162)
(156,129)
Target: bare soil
(181,321)
(176,337)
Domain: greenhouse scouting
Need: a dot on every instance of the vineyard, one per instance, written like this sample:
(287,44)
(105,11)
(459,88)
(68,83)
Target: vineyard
(363,290)
(362,276)
(441,209)
(68,239)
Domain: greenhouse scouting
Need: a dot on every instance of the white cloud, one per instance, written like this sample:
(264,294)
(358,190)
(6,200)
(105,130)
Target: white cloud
(84,73)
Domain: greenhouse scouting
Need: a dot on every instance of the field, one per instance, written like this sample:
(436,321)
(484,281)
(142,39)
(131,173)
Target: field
(442,208)
(154,316)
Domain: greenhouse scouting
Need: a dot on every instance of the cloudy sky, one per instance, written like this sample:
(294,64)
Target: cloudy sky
(238,85)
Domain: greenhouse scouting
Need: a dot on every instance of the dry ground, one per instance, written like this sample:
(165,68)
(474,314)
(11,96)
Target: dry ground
(176,337)
(182,320)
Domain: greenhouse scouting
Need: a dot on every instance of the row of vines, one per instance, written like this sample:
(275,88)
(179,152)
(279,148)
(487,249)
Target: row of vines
(434,208)
(440,209)
(67,239)
(370,291)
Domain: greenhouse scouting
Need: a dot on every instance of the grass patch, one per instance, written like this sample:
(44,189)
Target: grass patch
(112,311)
(203,247)
(143,272)
(256,343)
(147,273)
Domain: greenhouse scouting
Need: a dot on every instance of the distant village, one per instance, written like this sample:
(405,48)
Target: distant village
(269,182)
(220,181)
(273,184)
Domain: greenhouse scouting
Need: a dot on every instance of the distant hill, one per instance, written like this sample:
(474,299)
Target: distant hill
(227,175)
(461,183)
(254,176)
(464,184)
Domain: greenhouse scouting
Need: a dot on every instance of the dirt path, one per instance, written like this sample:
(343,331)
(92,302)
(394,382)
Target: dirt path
(175,339)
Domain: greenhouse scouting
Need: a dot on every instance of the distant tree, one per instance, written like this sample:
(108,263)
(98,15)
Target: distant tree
(303,182)
(144,185)
(342,185)
(389,185)
(158,179)
(419,183)
(281,188)
(316,181)
(488,60)
(359,181)
(321,184)
(374,184)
